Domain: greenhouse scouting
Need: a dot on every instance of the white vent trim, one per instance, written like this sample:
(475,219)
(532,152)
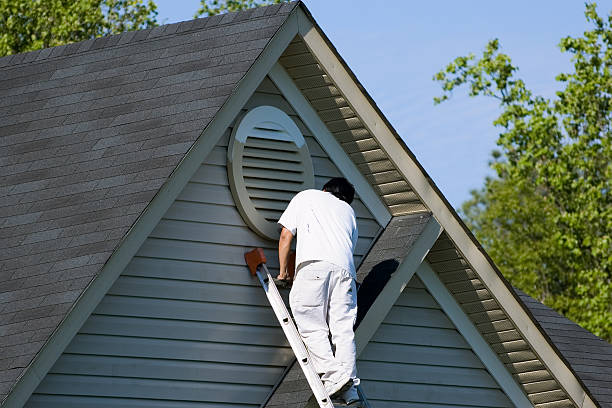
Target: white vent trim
(268,163)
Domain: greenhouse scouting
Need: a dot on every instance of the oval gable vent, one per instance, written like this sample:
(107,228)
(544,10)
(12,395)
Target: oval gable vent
(268,163)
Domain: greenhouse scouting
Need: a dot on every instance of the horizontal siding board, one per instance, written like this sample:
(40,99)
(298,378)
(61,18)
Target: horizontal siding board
(198,251)
(179,350)
(183,290)
(426,374)
(412,316)
(396,404)
(420,336)
(208,194)
(64,401)
(417,297)
(153,389)
(190,271)
(210,233)
(157,368)
(183,330)
(324,167)
(185,310)
(420,355)
(389,391)
(211,174)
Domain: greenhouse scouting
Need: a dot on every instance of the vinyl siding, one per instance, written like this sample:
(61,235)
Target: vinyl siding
(417,358)
(185,325)
(491,321)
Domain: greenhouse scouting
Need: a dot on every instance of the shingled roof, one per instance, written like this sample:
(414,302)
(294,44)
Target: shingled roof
(89,132)
(588,356)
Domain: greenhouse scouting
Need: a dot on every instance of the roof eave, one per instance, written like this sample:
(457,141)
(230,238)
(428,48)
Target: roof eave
(429,193)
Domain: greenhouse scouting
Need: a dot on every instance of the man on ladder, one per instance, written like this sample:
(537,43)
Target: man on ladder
(323,297)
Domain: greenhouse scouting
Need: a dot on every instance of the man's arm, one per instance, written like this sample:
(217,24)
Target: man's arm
(284,246)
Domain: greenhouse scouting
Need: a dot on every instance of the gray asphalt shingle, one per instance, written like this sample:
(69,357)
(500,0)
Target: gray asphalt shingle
(89,132)
(588,356)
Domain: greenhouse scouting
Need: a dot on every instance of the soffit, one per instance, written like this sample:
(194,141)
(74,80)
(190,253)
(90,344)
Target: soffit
(489,317)
(348,129)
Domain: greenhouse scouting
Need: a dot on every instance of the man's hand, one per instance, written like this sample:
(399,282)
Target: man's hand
(284,246)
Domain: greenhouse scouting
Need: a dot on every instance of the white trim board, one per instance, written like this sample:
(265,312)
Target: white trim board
(336,153)
(473,337)
(429,195)
(149,218)
(396,284)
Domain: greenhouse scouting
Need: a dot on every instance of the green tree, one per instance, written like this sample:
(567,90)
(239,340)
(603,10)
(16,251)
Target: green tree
(546,218)
(27,25)
(213,7)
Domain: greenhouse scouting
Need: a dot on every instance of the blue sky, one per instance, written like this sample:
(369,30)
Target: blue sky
(395,47)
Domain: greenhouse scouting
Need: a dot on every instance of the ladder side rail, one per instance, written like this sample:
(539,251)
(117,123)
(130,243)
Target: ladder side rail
(294,338)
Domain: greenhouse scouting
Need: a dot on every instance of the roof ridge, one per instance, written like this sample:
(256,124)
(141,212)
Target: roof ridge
(143,35)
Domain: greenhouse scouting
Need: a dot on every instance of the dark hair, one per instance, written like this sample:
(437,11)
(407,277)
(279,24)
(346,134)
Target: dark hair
(341,188)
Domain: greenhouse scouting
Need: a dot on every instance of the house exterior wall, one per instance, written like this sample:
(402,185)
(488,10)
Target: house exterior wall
(417,358)
(495,327)
(185,324)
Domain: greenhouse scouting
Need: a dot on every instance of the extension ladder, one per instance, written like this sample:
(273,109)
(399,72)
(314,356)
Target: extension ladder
(256,260)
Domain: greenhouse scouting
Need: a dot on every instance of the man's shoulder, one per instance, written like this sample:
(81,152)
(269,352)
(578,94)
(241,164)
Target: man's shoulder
(309,193)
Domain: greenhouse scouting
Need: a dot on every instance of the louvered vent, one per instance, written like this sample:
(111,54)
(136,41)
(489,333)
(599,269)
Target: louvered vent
(268,163)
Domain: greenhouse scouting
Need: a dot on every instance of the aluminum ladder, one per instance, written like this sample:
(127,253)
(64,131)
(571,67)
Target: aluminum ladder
(256,260)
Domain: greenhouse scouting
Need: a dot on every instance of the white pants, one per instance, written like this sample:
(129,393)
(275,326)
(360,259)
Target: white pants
(323,300)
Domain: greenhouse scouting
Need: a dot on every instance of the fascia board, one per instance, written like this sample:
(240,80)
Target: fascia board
(429,194)
(396,284)
(149,218)
(296,99)
(473,337)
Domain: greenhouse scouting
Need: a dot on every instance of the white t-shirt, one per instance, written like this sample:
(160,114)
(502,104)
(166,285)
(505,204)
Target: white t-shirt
(325,226)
